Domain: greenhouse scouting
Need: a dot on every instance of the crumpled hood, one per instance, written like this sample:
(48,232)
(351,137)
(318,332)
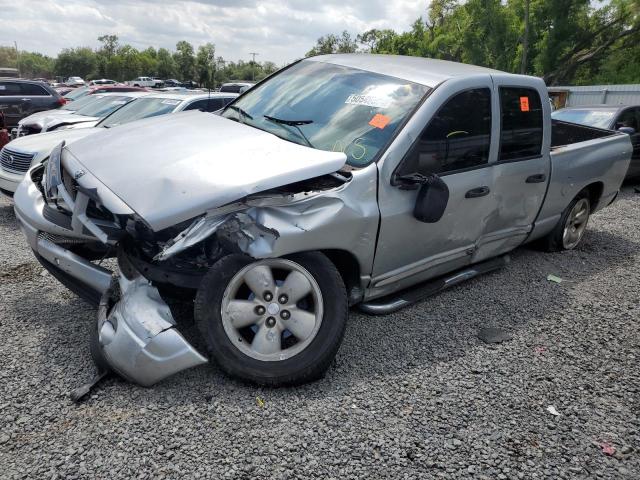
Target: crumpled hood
(40,117)
(54,121)
(171,168)
(42,144)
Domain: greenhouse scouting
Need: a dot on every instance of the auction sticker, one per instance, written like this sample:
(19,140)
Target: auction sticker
(524,104)
(380,121)
(368,101)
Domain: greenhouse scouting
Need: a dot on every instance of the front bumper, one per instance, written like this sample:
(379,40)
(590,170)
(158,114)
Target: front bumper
(137,336)
(48,241)
(9,182)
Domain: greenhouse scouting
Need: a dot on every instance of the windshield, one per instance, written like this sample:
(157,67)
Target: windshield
(141,108)
(103,107)
(330,107)
(77,93)
(80,103)
(592,118)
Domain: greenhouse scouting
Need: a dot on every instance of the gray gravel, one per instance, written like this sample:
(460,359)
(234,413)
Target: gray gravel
(414,394)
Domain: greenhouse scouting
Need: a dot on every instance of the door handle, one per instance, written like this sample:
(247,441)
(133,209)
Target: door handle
(477,192)
(537,178)
(25,99)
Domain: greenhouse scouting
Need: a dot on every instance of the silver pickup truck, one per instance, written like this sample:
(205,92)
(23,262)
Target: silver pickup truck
(341,180)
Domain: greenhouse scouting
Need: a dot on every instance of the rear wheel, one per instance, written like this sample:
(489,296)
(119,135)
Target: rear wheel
(569,231)
(275,321)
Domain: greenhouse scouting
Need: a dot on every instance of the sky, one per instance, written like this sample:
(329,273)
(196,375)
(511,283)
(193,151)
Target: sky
(279,30)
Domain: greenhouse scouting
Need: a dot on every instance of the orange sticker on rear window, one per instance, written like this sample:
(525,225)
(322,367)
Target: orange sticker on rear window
(524,104)
(379,121)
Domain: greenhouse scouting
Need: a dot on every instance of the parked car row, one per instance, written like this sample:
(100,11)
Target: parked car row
(329,184)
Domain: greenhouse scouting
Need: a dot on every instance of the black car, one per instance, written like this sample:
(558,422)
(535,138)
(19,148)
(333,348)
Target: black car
(172,82)
(21,98)
(624,118)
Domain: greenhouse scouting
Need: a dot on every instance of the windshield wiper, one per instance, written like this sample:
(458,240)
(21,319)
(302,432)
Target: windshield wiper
(293,123)
(240,111)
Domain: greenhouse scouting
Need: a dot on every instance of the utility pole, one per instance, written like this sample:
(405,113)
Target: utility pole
(253,68)
(17,56)
(525,39)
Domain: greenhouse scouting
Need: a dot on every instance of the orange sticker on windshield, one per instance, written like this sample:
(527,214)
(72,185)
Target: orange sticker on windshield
(524,104)
(379,121)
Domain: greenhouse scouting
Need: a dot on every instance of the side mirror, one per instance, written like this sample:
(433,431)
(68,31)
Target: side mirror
(627,130)
(432,198)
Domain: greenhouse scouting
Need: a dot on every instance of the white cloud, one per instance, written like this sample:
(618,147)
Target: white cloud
(280,30)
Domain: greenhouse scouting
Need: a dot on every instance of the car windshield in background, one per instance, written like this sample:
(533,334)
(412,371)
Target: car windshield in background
(103,107)
(330,107)
(77,93)
(80,103)
(140,108)
(599,118)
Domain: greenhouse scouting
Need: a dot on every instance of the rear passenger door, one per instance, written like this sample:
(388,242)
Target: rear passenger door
(523,166)
(11,103)
(35,98)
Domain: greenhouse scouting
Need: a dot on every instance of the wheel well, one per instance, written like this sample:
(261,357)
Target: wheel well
(594,190)
(349,270)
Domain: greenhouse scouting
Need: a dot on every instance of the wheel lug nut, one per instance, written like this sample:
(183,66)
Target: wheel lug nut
(270,322)
(260,310)
(283,298)
(285,315)
(268,296)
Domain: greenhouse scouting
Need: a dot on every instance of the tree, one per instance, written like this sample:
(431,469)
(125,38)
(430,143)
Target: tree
(8,57)
(334,44)
(206,64)
(166,66)
(79,61)
(36,65)
(185,61)
(109,45)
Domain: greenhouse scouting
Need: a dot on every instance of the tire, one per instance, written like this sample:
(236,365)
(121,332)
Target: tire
(555,241)
(301,358)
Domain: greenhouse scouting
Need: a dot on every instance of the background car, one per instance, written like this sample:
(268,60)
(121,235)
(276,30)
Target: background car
(33,123)
(92,113)
(236,87)
(34,148)
(21,98)
(72,81)
(102,81)
(92,90)
(624,118)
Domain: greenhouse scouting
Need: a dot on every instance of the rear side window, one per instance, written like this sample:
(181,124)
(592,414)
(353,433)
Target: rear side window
(521,123)
(30,89)
(8,89)
(207,105)
(457,137)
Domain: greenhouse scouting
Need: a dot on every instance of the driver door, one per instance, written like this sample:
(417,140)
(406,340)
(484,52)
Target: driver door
(454,142)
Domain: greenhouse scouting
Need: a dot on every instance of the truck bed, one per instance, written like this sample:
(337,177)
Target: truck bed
(565,133)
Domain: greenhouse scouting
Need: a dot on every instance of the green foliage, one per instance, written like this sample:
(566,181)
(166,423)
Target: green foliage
(565,40)
(334,44)
(124,62)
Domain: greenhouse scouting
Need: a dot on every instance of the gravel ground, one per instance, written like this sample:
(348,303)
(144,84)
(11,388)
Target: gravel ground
(414,394)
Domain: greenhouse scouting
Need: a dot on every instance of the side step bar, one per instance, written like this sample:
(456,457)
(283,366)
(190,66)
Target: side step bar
(397,301)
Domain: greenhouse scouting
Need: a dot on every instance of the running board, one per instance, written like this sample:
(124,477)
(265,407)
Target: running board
(396,301)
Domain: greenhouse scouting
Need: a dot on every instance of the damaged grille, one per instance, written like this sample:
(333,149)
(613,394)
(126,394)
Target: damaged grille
(60,239)
(70,184)
(16,162)
(56,217)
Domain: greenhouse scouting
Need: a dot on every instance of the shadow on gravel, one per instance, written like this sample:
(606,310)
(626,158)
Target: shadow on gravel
(440,329)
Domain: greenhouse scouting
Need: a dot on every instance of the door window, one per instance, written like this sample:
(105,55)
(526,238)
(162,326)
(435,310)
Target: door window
(521,123)
(31,90)
(457,137)
(9,89)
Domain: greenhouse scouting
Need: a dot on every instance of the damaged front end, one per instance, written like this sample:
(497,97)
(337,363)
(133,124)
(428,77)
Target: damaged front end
(137,336)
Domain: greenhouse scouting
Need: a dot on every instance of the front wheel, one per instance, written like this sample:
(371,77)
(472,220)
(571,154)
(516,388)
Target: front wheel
(276,321)
(569,231)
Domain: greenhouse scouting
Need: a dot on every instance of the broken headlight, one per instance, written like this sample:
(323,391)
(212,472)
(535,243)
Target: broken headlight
(53,175)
